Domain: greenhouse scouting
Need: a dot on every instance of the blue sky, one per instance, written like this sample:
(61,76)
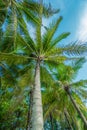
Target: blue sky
(74,14)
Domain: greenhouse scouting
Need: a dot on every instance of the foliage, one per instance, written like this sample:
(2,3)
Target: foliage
(19,52)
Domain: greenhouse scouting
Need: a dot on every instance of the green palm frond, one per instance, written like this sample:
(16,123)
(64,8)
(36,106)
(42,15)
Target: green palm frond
(47,37)
(80,103)
(59,59)
(81,83)
(76,65)
(30,16)
(58,39)
(8,74)
(25,45)
(34,6)
(56,59)
(47,79)
(49,11)
(10,33)
(38,36)
(26,79)
(13,58)
(23,26)
(3,11)
(50,109)
(82,92)
(75,48)
(64,73)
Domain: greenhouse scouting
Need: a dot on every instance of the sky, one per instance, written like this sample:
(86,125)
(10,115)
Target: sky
(74,14)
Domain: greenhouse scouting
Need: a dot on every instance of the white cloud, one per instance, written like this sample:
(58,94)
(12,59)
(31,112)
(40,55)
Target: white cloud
(82,28)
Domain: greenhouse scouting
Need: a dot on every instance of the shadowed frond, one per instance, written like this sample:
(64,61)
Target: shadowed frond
(13,58)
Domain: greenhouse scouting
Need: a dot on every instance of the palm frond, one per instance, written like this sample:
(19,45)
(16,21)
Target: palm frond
(23,44)
(76,65)
(80,103)
(82,92)
(50,109)
(58,39)
(75,49)
(81,83)
(13,58)
(30,16)
(38,36)
(47,79)
(50,33)
(34,6)
(56,59)
(10,33)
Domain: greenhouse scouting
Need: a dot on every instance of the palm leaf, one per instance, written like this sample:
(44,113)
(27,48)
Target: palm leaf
(81,83)
(34,6)
(75,48)
(13,58)
(50,33)
(58,39)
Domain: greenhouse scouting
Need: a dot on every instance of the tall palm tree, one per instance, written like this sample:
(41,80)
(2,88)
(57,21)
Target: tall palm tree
(55,97)
(44,49)
(75,88)
(57,104)
(74,102)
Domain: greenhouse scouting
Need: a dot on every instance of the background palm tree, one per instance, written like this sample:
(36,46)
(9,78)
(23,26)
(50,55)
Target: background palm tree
(79,84)
(55,99)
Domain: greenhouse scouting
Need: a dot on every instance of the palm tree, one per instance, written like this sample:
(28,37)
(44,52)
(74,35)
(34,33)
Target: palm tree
(75,88)
(44,49)
(57,104)
(56,101)
(74,102)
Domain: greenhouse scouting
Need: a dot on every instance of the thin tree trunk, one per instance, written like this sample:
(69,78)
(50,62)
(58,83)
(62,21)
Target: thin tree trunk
(37,112)
(78,110)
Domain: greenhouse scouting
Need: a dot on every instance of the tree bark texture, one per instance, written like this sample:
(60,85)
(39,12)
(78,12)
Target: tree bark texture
(37,112)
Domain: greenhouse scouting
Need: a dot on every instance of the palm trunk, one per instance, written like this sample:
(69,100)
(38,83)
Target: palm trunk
(78,110)
(37,113)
